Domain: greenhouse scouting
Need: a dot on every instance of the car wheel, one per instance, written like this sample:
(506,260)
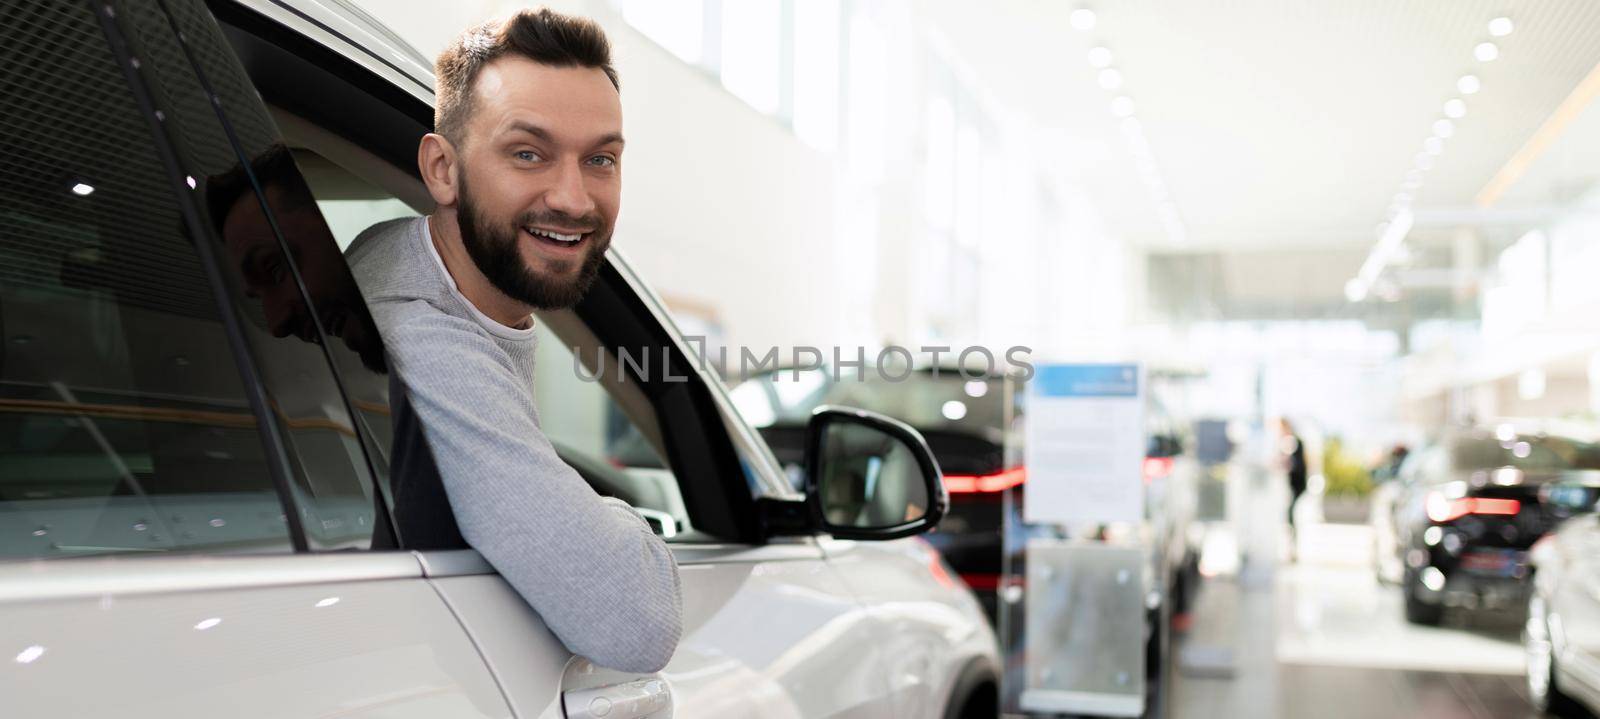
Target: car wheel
(1544,691)
(1418,611)
(984,703)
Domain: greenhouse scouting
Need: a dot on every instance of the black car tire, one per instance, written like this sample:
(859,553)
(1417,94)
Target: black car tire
(1418,611)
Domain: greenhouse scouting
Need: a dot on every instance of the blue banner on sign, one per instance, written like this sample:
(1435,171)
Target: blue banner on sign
(1087,380)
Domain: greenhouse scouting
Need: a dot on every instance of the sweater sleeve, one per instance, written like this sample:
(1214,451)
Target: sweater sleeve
(603,582)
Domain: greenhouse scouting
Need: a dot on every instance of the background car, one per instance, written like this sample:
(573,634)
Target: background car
(1560,637)
(195,440)
(973,423)
(1467,508)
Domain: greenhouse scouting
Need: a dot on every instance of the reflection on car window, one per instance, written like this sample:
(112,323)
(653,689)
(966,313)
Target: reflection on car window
(124,425)
(285,276)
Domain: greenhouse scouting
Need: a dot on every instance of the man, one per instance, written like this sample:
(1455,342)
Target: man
(525,170)
(1294,462)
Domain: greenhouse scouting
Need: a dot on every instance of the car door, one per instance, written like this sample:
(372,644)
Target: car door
(186,500)
(770,628)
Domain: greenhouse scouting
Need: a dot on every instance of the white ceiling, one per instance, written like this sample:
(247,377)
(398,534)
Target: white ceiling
(1279,123)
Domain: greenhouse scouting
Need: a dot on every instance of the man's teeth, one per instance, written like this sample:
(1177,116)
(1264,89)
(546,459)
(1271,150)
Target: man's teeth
(558,237)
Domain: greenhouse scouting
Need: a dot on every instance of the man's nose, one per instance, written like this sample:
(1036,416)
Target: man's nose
(569,194)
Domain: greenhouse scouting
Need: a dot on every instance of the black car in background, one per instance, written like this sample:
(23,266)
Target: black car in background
(1470,505)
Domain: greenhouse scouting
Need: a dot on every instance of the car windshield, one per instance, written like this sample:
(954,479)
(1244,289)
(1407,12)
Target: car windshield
(1527,453)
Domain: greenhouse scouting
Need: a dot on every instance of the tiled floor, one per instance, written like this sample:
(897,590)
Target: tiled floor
(1321,638)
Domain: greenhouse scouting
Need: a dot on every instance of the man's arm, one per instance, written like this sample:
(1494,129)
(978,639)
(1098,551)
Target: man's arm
(591,567)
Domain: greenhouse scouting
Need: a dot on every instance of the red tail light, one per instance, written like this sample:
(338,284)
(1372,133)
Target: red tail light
(1441,509)
(997,482)
(1157,468)
(982,582)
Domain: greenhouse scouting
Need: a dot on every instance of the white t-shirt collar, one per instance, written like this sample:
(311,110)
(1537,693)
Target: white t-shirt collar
(489,323)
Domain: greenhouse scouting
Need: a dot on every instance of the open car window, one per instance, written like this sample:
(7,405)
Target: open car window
(603,427)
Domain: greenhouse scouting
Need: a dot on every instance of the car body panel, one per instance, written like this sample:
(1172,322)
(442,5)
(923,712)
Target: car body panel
(1564,610)
(736,657)
(333,635)
(931,627)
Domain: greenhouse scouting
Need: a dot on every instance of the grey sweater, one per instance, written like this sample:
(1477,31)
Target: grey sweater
(590,566)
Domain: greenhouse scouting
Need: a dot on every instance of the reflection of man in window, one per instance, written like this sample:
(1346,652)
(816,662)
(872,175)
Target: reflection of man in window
(525,170)
(254,248)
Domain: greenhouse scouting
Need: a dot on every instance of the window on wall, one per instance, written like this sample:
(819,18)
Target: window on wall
(816,72)
(752,44)
(866,102)
(678,25)
(782,57)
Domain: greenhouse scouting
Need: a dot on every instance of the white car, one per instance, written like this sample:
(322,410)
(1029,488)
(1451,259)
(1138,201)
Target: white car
(196,512)
(1562,634)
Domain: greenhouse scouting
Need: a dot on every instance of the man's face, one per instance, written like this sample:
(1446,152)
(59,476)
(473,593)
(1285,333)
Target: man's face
(540,178)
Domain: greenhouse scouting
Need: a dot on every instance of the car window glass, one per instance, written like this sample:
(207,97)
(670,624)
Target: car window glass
(287,280)
(1530,453)
(586,423)
(124,423)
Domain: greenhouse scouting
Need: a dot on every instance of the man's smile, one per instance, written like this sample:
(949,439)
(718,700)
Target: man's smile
(569,240)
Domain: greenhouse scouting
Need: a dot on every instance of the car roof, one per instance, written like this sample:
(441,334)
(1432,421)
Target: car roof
(345,28)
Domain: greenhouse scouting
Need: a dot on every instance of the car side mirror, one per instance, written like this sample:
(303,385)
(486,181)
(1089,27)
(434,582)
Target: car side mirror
(869,476)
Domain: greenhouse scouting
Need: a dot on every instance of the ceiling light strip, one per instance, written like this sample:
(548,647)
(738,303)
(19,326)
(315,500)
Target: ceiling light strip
(1542,139)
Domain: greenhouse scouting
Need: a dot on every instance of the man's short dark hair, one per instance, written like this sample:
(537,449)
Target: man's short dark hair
(273,168)
(540,34)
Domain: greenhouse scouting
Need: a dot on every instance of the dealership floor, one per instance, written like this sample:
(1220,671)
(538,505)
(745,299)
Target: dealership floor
(1322,638)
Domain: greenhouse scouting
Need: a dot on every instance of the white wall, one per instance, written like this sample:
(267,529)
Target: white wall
(724,207)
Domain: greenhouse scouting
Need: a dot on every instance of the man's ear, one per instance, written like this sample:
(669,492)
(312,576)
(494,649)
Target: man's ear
(438,162)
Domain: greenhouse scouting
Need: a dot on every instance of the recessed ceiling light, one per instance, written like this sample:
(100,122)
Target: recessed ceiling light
(1455,108)
(1410,185)
(1100,56)
(1433,145)
(1468,84)
(1082,19)
(1443,128)
(1415,175)
(1122,106)
(82,189)
(1424,161)
(1501,26)
(1110,78)
(1486,52)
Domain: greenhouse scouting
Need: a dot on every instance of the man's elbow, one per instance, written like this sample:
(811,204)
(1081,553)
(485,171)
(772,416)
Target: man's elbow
(643,644)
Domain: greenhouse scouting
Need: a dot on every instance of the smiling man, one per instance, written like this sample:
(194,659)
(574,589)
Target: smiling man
(525,169)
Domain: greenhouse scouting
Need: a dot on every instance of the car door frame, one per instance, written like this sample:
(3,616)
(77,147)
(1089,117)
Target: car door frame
(53,591)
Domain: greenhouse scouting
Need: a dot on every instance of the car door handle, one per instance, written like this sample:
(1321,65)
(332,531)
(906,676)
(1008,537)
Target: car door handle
(642,699)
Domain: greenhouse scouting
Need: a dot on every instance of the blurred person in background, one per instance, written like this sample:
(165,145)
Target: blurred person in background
(1293,453)
(1389,466)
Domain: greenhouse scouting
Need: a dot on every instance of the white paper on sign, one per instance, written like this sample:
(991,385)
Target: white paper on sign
(1085,444)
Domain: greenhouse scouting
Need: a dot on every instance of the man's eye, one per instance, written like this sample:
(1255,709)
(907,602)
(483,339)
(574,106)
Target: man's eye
(527,156)
(602,161)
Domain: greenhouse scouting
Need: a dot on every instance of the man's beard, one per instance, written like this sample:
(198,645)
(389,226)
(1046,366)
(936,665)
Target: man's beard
(493,247)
